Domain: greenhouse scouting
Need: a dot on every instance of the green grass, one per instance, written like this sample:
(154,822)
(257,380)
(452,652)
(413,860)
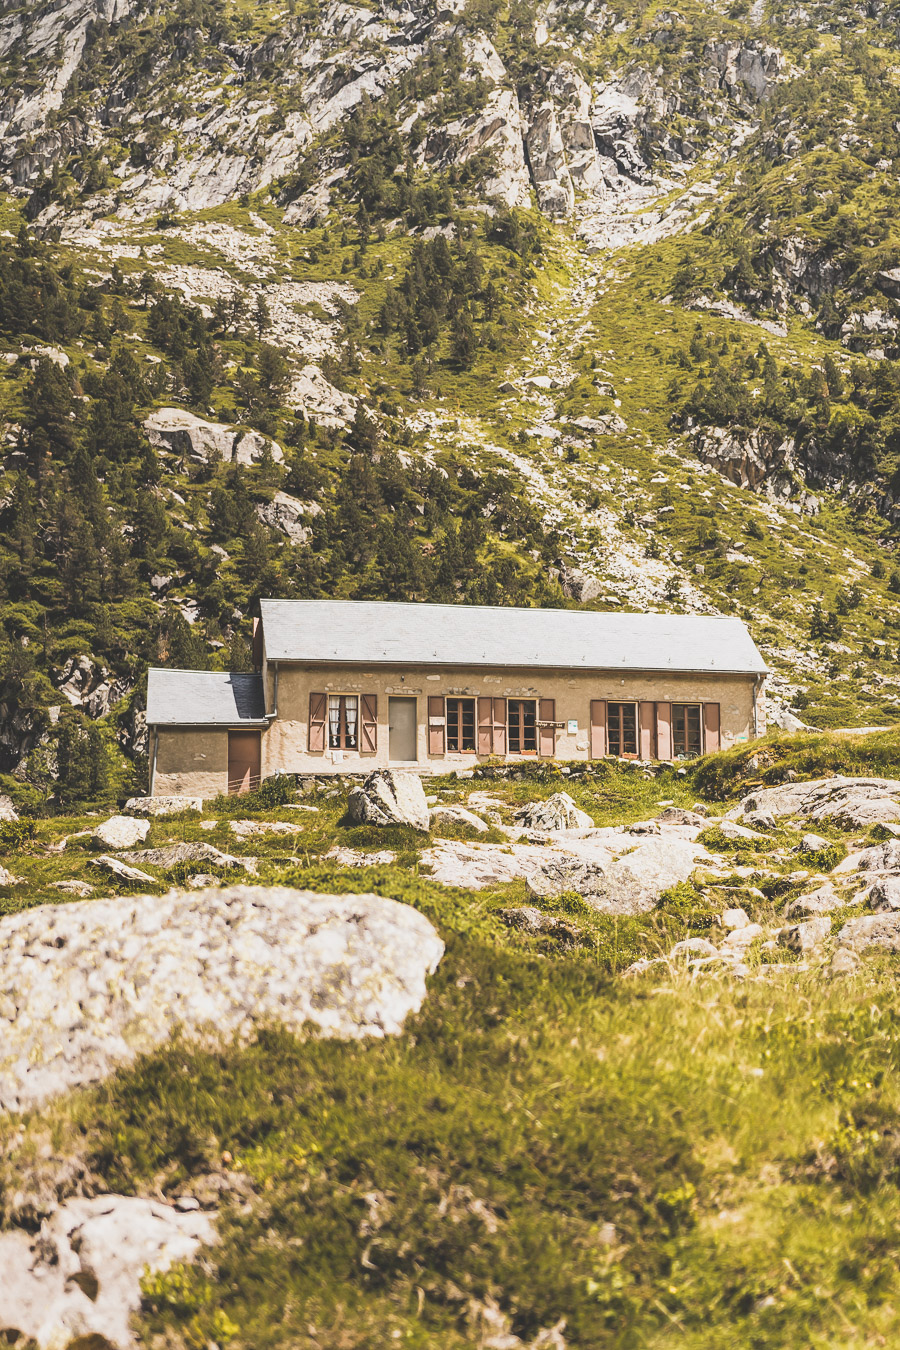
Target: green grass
(660,1161)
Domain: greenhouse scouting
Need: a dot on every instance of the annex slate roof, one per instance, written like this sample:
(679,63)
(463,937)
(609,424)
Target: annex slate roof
(206,698)
(364,632)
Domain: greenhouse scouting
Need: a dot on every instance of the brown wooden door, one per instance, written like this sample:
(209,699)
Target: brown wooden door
(243,761)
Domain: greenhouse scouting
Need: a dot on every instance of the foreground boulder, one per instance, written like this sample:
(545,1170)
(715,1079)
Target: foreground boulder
(80,1275)
(390,797)
(558,812)
(851,803)
(84,988)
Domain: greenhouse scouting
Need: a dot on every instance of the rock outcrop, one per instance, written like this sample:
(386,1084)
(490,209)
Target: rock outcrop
(86,987)
(851,803)
(186,435)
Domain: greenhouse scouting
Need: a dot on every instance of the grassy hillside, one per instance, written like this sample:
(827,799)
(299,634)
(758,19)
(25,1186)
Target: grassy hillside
(660,1160)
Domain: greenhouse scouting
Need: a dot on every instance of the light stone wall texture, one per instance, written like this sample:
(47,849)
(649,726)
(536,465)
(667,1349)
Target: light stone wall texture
(196,762)
(191,762)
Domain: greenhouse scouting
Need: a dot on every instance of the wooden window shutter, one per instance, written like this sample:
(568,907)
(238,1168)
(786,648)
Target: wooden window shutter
(437,724)
(710,727)
(598,728)
(498,725)
(647,720)
(368,723)
(664,730)
(318,709)
(547,737)
(485,713)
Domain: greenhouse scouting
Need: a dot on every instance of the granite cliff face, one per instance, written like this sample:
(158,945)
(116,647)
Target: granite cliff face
(474,302)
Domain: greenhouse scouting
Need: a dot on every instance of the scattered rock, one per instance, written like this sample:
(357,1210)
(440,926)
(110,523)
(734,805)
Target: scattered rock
(733,919)
(803,937)
(884,895)
(692,947)
(121,870)
(389,797)
(761,820)
(84,988)
(170,855)
(738,940)
(531,920)
(162,806)
(457,815)
(627,885)
(821,901)
(74,887)
(880,857)
(245,829)
(731,830)
(871,930)
(7,810)
(121,832)
(812,843)
(7,878)
(79,1277)
(679,815)
(351,857)
(558,812)
(844,962)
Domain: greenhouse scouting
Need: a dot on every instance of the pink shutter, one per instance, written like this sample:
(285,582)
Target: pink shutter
(437,724)
(664,731)
(485,726)
(318,707)
(598,728)
(368,724)
(547,735)
(710,727)
(647,716)
(498,725)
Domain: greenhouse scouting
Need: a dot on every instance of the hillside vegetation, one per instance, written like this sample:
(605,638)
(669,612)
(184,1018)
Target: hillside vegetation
(521,304)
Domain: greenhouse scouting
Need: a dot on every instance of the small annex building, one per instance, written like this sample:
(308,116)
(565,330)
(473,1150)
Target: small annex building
(346,686)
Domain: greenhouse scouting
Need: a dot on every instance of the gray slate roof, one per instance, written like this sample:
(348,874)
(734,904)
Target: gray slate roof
(369,633)
(206,698)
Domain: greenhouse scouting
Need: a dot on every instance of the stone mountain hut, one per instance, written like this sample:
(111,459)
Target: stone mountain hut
(345,686)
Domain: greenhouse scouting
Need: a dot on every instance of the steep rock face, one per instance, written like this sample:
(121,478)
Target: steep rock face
(54,36)
(743,70)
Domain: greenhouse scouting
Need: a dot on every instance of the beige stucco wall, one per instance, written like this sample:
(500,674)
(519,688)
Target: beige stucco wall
(284,745)
(191,762)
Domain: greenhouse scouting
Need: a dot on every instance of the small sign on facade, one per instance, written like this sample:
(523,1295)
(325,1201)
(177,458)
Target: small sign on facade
(557,726)
(573,726)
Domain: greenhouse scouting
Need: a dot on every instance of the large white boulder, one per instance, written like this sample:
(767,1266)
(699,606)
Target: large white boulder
(390,797)
(86,987)
(80,1275)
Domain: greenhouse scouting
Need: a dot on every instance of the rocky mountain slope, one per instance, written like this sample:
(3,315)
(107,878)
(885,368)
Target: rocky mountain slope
(555,303)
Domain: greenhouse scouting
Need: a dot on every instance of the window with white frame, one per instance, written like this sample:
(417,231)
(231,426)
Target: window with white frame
(343,722)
